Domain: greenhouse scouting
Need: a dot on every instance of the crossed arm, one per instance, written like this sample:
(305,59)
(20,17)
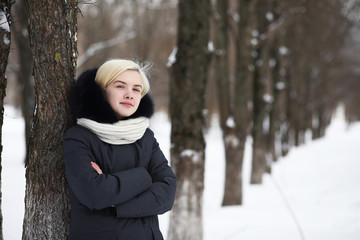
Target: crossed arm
(158,199)
(136,192)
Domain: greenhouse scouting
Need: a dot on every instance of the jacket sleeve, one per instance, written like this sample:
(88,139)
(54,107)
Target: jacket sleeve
(159,198)
(98,191)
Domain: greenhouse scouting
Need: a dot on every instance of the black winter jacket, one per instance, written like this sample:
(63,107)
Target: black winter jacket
(137,183)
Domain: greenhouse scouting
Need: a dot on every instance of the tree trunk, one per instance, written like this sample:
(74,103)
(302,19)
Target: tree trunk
(260,101)
(234,153)
(233,157)
(52,29)
(244,74)
(236,130)
(187,102)
(5,36)
(278,121)
(258,166)
(24,73)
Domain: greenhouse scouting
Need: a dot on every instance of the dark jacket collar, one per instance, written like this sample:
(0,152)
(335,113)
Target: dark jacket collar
(87,100)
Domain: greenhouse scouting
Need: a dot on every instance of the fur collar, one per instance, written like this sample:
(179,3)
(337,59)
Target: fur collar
(87,101)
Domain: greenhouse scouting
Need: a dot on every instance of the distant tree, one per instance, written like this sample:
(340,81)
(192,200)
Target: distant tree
(242,96)
(143,30)
(5,36)
(187,88)
(261,97)
(234,98)
(52,29)
(24,72)
(271,110)
(232,188)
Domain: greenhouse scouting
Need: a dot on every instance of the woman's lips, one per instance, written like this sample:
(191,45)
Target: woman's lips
(127,104)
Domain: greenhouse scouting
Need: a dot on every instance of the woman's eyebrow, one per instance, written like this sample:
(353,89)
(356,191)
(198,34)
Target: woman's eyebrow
(120,81)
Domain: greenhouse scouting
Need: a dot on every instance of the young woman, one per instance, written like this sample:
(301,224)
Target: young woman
(119,179)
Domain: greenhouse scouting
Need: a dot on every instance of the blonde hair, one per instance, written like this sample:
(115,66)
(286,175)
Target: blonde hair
(109,70)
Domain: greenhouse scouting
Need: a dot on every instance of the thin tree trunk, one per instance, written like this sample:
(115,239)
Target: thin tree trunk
(187,103)
(258,166)
(275,108)
(261,161)
(244,76)
(52,28)
(235,120)
(24,74)
(233,157)
(5,36)
(278,111)
(234,153)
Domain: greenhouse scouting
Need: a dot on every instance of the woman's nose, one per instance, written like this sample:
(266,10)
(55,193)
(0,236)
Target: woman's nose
(128,95)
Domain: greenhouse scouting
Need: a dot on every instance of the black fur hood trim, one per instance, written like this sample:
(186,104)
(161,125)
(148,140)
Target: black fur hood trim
(87,100)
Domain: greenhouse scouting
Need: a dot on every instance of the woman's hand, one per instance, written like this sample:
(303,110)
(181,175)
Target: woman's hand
(96,167)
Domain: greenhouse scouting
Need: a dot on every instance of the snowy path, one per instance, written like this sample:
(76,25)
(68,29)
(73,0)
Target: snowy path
(320,181)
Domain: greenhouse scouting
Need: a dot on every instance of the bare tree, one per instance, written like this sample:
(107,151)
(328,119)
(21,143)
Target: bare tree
(242,102)
(52,29)
(142,30)
(5,22)
(234,98)
(233,184)
(187,88)
(24,72)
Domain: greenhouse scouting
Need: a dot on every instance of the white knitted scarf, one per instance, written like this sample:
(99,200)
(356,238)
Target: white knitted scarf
(121,132)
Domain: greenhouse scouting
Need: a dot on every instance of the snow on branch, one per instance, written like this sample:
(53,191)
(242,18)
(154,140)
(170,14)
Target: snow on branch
(4,22)
(172,57)
(161,6)
(195,156)
(96,47)
(281,22)
(351,10)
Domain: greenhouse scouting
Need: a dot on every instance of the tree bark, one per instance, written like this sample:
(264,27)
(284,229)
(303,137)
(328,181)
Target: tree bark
(278,121)
(233,157)
(236,123)
(5,36)
(52,29)
(187,102)
(261,101)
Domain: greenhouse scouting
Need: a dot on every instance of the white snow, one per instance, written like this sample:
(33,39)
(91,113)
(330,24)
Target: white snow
(269,16)
(283,50)
(172,57)
(211,47)
(13,174)
(234,14)
(268,98)
(232,140)
(255,33)
(313,192)
(193,154)
(280,85)
(3,22)
(272,62)
(230,122)
(5,26)
(6,40)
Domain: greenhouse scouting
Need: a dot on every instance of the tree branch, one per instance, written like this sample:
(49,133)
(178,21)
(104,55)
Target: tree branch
(96,47)
(284,19)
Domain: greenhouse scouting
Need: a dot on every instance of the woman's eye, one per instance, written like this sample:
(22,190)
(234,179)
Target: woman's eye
(120,86)
(136,90)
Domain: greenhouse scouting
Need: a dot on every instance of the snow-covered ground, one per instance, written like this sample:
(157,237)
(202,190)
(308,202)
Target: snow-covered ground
(313,193)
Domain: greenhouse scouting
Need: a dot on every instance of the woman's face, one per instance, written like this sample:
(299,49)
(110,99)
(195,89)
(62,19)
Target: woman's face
(124,93)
